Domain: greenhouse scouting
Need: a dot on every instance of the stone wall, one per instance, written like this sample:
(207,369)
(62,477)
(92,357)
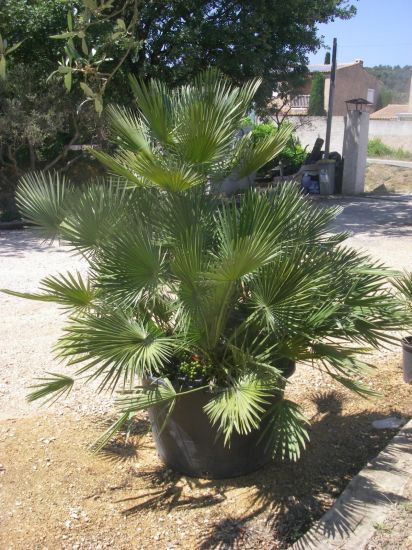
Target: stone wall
(395,133)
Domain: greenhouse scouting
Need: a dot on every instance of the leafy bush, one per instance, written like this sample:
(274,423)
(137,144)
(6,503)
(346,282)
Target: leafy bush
(183,283)
(376,148)
(292,156)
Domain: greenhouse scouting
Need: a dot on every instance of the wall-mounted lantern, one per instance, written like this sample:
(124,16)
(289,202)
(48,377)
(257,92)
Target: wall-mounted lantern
(358,104)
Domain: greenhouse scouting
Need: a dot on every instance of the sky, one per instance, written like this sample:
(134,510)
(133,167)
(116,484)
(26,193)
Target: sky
(380,34)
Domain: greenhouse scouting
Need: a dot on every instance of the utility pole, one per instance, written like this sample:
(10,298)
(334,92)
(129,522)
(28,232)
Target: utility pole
(331,98)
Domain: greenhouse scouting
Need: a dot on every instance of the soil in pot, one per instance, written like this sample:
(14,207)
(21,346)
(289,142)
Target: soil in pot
(190,445)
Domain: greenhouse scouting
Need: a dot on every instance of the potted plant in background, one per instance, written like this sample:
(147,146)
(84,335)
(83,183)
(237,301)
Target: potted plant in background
(197,307)
(404,285)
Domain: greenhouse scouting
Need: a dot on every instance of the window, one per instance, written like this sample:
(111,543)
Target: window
(371,95)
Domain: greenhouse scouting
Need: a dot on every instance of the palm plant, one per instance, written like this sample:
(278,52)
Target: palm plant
(198,290)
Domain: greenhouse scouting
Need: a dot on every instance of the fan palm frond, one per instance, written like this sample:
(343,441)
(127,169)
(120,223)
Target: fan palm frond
(156,107)
(251,156)
(42,198)
(131,267)
(53,387)
(97,213)
(240,406)
(286,433)
(70,291)
(131,133)
(115,347)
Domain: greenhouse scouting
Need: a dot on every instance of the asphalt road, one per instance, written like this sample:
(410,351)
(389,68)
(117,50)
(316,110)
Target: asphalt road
(391,162)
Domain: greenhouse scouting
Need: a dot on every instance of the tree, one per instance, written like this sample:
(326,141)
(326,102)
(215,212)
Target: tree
(174,40)
(394,79)
(317,95)
(385,96)
(100,41)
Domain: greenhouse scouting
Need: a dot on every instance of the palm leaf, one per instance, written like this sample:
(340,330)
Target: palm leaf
(42,198)
(130,131)
(130,268)
(69,290)
(286,431)
(155,105)
(95,214)
(54,387)
(115,346)
(252,156)
(239,407)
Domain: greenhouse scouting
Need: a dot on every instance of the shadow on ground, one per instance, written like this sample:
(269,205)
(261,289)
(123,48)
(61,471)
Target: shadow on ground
(16,243)
(387,217)
(283,499)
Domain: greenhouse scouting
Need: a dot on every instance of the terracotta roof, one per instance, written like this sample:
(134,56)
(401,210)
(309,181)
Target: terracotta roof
(390,112)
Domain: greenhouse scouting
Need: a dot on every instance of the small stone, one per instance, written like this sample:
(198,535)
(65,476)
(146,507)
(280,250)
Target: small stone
(389,423)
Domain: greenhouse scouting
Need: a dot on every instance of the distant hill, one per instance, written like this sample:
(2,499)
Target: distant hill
(396,81)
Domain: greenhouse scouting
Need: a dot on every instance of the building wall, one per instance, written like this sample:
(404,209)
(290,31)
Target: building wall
(395,133)
(351,82)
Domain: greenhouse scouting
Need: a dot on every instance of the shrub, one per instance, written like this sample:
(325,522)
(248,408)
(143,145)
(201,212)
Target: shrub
(292,156)
(376,148)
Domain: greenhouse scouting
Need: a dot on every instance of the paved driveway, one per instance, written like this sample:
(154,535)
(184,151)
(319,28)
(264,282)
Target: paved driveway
(380,225)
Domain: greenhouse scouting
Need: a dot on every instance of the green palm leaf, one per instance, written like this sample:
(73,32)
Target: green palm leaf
(156,107)
(240,407)
(115,346)
(96,213)
(252,156)
(286,432)
(70,291)
(53,387)
(42,198)
(131,267)
(131,133)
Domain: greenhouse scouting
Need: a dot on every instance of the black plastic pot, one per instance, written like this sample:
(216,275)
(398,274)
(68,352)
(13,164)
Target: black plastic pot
(189,443)
(407,359)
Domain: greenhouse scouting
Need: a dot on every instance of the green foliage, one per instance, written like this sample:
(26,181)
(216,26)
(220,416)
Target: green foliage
(317,96)
(396,81)
(291,157)
(404,286)
(169,40)
(376,148)
(69,291)
(385,96)
(183,282)
(51,388)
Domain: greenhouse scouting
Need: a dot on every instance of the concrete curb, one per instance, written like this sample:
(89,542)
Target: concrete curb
(349,524)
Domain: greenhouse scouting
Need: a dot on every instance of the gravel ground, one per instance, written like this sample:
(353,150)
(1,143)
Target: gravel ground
(29,329)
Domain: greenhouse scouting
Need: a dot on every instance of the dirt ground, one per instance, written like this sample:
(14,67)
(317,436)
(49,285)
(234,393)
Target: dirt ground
(56,494)
(386,179)
(396,531)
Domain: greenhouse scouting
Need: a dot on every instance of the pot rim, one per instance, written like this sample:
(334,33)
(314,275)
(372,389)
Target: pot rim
(407,343)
